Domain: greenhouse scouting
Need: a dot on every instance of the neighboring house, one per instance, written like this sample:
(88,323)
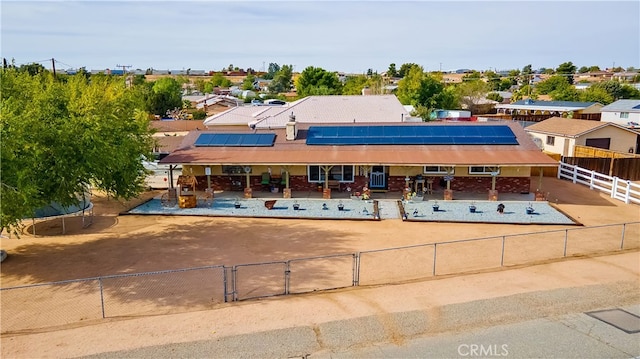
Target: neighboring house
(536,111)
(594,76)
(381,156)
(625,76)
(315,109)
(561,135)
(622,112)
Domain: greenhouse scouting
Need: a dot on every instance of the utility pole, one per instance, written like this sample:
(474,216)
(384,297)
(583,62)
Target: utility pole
(124,68)
(53,65)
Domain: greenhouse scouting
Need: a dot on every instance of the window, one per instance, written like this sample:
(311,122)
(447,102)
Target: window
(551,140)
(483,170)
(624,114)
(336,173)
(435,170)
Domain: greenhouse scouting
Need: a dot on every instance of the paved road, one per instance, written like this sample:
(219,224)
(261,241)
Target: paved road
(574,335)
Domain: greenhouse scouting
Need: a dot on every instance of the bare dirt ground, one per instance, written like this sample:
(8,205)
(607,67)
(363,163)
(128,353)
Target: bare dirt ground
(130,244)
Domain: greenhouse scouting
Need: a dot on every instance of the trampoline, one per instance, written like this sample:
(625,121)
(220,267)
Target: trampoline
(54,210)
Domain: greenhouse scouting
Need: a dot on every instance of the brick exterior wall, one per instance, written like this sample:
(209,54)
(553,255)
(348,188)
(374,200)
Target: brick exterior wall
(394,184)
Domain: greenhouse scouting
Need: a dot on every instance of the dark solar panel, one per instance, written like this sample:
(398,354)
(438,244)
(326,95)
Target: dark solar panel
(411,135)
(235,140)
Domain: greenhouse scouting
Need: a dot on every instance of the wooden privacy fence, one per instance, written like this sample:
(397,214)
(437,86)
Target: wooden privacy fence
(588,151)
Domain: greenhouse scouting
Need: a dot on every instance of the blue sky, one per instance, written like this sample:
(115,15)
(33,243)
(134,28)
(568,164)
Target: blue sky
(349,36)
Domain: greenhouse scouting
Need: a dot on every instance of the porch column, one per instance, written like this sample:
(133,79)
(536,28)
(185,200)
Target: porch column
(248,192)
(493,194)
(286,192)
(326,191)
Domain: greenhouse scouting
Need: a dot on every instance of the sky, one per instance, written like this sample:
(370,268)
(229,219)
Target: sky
(346,36)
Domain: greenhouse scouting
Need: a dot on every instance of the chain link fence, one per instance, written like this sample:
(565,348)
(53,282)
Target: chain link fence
(172,291)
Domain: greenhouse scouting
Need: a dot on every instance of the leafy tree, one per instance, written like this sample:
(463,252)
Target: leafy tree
(596,94)
(59,137)
(218,80)
(472,76)
(495,97)
(629,92)
(471,93)
(32,68)
(404,68)
(527,74)
(392,72)
(547,71)
(353,85)
(505,84)
(594,68)
(583,69)
(551,84)
(420,88)
(318,81)
(166,94)
(282,80)
(199,115)
(568,93)
(493,79)
(247,83)
(271,72)
(567,69)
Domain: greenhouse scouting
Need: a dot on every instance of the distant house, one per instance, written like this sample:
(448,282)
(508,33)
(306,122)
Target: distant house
(561,135)
(593,76)
(622,112)
(315,109)
(626,76)
(536,111)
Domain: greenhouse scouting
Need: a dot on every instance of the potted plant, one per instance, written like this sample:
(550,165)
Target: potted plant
(236,204)
(530,209)
(324,207)
(340,206)
(436,206)
(472,207)
(296,206)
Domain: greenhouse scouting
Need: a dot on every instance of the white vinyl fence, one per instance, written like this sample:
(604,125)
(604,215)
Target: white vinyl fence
(618,188)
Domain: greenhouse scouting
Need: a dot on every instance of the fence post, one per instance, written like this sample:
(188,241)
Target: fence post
(101,297)
(593,176)
(560,167)
(627,195)
(435,250)
(287,272)
(575,173)
(624,226)
(234,283)
(566,237)
(502,255)
(356,269)
(224,283)
(614,187)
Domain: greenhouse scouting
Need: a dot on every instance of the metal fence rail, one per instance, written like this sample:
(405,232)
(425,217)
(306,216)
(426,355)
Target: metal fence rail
(59,303)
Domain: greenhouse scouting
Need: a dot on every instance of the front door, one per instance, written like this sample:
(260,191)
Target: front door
(377,179)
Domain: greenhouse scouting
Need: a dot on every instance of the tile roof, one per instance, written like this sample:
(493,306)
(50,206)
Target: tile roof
(296,152)
(622,106)
(568,127)
(317,109)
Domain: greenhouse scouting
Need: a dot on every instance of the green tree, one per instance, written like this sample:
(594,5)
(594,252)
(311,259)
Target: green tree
(247,83)
(553,83)
(59,137)
(565,94)
(420,88)
(472,93)
(495,97)
(583,69)
(271,72)
(32,68)
(629,92)
(282,80)
(567,69)
(493,79)
(527,74)
(472,76)
(596,94)
(166,94)
(353,85)
(218,80)
(318,81)
(392,72)
(404,68)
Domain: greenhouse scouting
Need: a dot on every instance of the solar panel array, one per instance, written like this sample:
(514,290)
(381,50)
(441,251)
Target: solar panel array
(411,135)
(235,140)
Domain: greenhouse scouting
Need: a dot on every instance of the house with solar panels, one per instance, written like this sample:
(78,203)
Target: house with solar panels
(469,157)
(623,112)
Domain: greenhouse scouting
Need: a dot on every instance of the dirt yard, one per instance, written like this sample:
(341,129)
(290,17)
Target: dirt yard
(116,244)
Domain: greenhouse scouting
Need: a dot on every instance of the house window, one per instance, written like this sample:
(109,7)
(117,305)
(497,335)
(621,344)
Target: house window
(483,170)
(435,170)
(624,114)
(336,173)
(551,140)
